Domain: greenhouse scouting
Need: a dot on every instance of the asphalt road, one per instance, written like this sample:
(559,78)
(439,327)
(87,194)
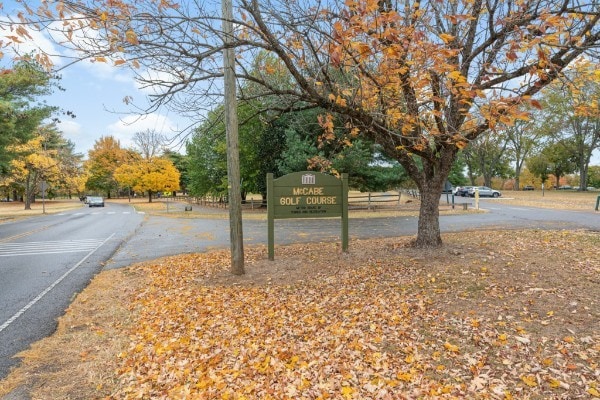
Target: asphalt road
(161,236)
(45,261)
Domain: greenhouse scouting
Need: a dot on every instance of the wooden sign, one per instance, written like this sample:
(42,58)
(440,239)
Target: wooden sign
(306,194)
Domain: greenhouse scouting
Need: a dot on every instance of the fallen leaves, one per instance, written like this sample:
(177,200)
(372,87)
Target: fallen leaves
(381,329)
(451,348)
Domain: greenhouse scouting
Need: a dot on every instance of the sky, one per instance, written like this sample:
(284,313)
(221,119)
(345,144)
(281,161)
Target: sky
(94,93)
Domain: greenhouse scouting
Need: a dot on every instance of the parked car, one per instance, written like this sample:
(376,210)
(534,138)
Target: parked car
(462,191)
(528,187)
(484,191)
(95,201)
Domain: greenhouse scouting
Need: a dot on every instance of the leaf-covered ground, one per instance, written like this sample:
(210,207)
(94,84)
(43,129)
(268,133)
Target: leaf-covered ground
(492,315)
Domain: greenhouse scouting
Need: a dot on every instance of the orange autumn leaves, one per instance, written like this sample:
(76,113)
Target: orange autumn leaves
(400,71)
(271,342)
(373,331)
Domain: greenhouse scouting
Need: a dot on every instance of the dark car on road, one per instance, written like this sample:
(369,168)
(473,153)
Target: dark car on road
(95,201)
(462,191)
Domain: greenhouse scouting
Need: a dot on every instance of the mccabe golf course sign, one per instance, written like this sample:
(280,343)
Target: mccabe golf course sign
(306,194)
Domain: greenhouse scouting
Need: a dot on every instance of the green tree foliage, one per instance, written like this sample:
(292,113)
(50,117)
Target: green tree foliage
(271,145)
(594,176)
(180,162)
(207,152)
(207,157)
(554,159)
(293,141)
(487,156)
(308,145)
(20,112)
(573,110)
(457,175)
(539,166)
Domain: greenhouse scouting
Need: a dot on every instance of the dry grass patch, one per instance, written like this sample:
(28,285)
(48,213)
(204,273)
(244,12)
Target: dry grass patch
(558,199)
(11,210)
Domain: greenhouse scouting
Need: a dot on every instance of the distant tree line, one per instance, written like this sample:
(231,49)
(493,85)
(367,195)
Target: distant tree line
(557,139)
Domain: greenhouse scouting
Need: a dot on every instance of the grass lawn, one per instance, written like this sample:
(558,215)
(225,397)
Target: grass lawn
(14,209)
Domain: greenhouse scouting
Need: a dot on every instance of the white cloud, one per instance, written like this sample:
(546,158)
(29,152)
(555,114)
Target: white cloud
(106,71)
(126,127)
(39,44)
(70,129)
(61,43)
(74,131)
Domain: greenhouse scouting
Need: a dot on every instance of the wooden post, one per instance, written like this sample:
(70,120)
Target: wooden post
(345,212)
(233,151)
(270,218)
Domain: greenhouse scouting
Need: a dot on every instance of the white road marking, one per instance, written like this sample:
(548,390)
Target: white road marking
(49,288)
(51,247)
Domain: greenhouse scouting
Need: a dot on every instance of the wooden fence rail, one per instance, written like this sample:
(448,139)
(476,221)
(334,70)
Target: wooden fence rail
(369,201)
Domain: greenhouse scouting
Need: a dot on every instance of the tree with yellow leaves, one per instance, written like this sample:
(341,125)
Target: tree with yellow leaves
(105,156)
(422,79)
(150,175)
(33,165)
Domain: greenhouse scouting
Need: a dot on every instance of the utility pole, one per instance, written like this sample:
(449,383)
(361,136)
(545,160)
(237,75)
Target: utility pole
(233,150)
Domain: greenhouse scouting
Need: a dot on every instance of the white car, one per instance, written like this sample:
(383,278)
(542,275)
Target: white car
(484,191)
(95,201)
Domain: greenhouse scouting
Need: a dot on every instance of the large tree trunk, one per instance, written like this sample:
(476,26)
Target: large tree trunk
(430,178)
(428,234)
(29,191)
(583,172)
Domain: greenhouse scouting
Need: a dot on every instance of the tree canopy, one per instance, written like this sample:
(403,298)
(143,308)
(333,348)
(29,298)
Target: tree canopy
(46,157)
(21,112)
(572,110)
(150,175)
(103,159)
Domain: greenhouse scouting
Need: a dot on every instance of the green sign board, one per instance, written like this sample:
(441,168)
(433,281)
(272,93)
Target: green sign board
(306,194)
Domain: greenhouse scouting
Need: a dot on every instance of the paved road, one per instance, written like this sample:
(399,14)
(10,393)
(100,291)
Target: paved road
(159,236)
(44,261)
